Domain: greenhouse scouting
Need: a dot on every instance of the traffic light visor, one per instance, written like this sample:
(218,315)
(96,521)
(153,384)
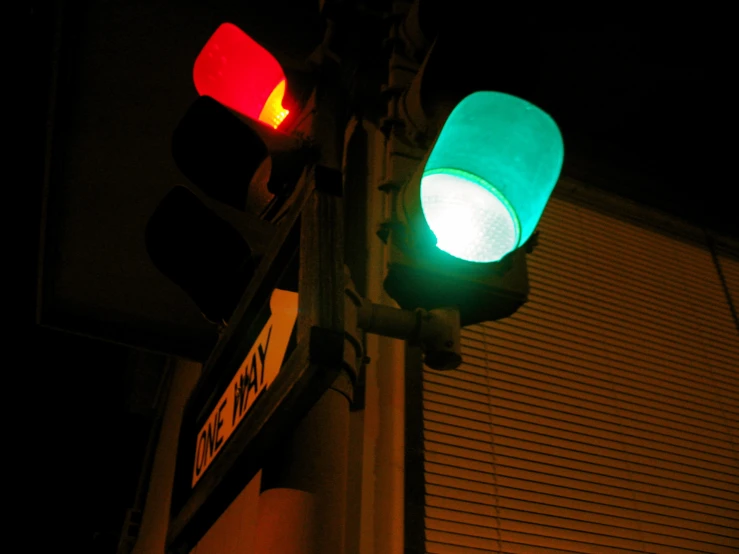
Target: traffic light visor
(235,70)
(489,176)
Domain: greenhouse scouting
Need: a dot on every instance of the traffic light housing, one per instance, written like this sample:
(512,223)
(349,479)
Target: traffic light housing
(229,146)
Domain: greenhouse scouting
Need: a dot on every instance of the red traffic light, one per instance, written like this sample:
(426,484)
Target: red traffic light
(239,73)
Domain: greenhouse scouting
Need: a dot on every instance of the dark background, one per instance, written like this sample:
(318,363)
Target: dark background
(642,100)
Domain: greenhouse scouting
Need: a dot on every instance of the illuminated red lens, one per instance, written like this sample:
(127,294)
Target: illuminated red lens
(235,70)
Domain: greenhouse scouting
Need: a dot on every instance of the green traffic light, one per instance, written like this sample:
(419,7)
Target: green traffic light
(489,176)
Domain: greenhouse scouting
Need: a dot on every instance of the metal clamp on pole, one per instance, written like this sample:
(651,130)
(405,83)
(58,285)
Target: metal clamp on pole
(436,331)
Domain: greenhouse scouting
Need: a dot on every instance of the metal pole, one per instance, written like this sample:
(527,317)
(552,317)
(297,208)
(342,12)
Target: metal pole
(302,506)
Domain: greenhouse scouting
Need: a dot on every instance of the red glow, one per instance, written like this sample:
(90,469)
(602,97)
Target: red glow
(233,69)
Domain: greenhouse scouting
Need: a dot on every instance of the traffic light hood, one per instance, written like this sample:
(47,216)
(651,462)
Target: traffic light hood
(235,70)
(488,176)
(200,252)
(218,152)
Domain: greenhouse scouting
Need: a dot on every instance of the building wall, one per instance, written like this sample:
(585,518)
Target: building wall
(603,417)
(155,517)
(236,529)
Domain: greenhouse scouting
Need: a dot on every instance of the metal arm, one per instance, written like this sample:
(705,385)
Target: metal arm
(436,331)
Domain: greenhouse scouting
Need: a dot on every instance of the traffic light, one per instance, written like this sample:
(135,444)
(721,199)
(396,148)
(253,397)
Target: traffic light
(249,143)
(229,146)
(464,220)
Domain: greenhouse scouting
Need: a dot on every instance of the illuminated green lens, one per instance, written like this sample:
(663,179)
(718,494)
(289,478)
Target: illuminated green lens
(469,220)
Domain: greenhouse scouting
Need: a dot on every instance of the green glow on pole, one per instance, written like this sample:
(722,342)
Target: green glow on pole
(490,175)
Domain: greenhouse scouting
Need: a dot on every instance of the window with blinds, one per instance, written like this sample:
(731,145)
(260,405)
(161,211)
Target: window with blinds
(601,418)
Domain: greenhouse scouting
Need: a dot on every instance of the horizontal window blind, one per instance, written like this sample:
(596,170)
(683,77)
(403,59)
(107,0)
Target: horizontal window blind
(730,269)
(729,265)
(603,417)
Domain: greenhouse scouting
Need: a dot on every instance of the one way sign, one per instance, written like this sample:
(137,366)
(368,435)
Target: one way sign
(258,370)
